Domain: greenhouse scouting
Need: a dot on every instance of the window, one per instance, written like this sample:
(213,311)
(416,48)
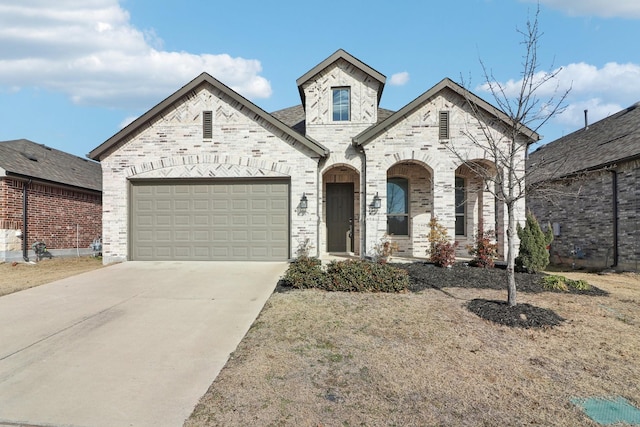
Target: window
(207,124)
(461,204)
(398,206)
(443,125)
(341,105)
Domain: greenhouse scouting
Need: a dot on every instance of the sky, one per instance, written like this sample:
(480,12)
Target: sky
(74,72)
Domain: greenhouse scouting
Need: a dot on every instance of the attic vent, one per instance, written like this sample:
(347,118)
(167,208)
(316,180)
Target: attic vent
(31,157)
(207,124)
(443,125)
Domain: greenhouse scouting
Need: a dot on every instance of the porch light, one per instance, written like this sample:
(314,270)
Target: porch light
(377,203)
(303,202)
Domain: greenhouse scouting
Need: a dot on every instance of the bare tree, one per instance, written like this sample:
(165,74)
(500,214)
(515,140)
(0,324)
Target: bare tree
(504,141)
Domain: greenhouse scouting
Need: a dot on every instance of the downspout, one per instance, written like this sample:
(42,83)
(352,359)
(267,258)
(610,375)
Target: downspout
(25,228)
(363,201)
(614,190)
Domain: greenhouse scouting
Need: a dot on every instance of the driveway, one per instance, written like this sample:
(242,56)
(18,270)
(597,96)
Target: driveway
(132,344)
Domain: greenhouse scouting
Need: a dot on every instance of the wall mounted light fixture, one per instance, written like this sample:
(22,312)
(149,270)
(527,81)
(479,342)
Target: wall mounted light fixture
(377,203)
(303,202)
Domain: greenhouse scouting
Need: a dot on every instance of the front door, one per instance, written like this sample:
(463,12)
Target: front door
(340,217)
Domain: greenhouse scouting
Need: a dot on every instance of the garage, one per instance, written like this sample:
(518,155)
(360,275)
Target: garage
(209,220)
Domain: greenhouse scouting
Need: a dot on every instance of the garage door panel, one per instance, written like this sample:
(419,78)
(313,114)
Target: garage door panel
(214,220)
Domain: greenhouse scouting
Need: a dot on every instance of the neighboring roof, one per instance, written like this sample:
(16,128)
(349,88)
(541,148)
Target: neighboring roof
(596,146)
(445,83)
(294,117)
(204,78)
(340,54)
(25,158)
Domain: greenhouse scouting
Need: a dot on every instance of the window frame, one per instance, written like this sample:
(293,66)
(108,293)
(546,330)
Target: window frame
(403,183)
(337,108)
(460,209)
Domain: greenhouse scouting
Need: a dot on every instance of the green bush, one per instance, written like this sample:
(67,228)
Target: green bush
(305,272)
(561,283)
(533,255)
(364,276)
(345,276)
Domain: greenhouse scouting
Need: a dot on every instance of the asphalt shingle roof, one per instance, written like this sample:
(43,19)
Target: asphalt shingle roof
(604,143)
(294,117)
(26,158)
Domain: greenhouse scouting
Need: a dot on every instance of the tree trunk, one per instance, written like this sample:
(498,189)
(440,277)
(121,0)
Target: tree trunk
(511,255)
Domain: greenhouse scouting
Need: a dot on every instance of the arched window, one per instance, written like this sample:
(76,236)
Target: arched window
(398,206)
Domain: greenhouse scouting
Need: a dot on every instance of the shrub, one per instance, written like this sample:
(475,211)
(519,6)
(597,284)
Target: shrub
(533,255)
(364,276)
(442,252)
(561,283)
(385,249)
(305,272)
(485,250)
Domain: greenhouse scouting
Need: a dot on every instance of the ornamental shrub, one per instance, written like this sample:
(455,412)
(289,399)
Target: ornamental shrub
(364,276)
(485,249)
(305,272)
(561,283)
(441,251)
(533,256)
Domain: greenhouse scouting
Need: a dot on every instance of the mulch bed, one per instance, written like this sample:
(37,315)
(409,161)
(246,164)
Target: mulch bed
(426,275)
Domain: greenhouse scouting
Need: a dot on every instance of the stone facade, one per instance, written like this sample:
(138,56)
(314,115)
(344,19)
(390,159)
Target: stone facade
(66,219)
(168,142)
(172,146)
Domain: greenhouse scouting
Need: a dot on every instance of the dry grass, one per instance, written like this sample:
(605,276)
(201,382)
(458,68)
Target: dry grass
(19,276)
(314,358)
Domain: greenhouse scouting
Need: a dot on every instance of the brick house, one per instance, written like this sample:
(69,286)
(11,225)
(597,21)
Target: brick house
(63,199)
(587,186)
(208,175)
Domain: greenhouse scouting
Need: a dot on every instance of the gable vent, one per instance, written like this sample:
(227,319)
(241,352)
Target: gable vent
(207,124)
(443,125)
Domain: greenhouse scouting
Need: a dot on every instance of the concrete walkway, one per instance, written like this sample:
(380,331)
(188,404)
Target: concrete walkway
(133,344)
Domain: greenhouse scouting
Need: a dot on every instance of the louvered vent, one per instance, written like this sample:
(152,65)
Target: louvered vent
(207,124)
(444,125)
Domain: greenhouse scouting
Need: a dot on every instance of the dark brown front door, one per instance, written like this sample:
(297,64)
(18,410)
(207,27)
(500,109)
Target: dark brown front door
(339,217)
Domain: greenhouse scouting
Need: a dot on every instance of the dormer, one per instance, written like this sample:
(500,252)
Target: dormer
(340,92)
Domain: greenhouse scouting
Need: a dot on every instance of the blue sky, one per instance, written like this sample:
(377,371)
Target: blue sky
(72,72)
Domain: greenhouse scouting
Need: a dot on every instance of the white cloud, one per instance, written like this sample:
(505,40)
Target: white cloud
(602,8)
(603,91)
(399,79)
(91,52)
(127,121)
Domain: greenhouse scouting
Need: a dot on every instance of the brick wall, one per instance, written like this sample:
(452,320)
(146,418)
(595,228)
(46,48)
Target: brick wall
(61,217)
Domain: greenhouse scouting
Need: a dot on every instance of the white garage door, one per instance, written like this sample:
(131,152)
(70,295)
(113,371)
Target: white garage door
(210,220)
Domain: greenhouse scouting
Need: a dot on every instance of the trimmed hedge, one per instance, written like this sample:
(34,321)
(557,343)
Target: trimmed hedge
(346,276)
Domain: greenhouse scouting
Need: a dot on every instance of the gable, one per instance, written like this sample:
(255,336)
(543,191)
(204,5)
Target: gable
(446,89)
(184,108)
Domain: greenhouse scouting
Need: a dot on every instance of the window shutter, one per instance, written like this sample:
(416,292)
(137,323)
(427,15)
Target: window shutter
(207,124)
(444,125)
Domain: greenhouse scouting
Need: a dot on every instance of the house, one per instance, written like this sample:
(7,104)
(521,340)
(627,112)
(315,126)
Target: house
(587,186)
(48,196)
(208,175)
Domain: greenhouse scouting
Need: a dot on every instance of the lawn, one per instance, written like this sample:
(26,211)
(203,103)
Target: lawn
(316,358)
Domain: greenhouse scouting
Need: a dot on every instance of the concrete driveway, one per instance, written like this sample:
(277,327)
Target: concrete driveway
(133,344)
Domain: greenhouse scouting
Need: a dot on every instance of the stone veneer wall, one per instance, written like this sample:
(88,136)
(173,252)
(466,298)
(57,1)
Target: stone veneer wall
(582,207)
(63,217)
(172,146)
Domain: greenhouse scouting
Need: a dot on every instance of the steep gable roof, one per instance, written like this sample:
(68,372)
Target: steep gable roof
(27,159)
(340,54)
(445,83)
(611,140)
(103,149)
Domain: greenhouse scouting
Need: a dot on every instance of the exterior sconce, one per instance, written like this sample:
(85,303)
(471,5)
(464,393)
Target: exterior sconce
(377,203)
(303,202)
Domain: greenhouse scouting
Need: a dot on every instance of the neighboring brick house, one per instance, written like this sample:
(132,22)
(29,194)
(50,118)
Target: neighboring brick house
(587,186)
(208,175)
(63,200)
